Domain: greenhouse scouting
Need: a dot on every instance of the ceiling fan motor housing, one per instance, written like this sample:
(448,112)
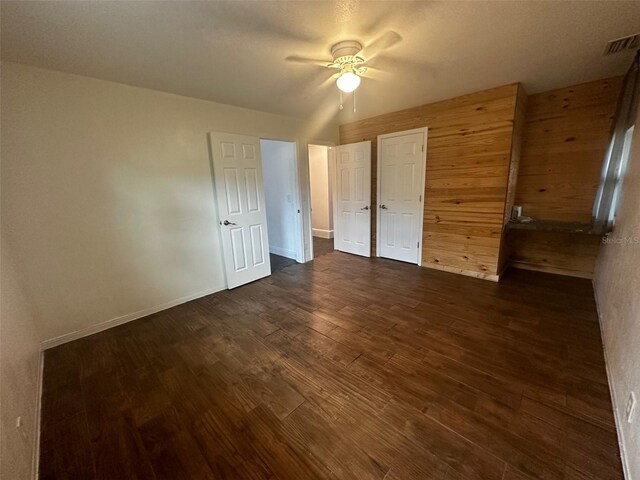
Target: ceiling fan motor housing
(346,52)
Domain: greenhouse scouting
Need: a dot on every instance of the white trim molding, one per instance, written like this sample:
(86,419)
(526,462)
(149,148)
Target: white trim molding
(35,461)
(114,322)
(317,232)
(283,252)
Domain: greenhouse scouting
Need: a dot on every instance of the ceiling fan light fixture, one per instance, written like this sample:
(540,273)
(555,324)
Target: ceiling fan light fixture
(348,82)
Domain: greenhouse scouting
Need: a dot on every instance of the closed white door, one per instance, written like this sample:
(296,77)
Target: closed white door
(401,169)
(353,199)
(237,170)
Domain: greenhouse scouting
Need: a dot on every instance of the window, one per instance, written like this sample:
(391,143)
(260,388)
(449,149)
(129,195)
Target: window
(616,158)
(619,174)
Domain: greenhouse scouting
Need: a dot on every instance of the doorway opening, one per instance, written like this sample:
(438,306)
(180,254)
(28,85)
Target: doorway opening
(281,191)
(321,193)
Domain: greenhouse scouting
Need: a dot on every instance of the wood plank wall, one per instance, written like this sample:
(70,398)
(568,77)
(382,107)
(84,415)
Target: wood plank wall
(572,254)
(565,137)
(468,159)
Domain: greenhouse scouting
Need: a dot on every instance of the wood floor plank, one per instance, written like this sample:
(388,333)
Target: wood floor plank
(462,455)
(63,449)
(342,368)
(524,453)
(285,455)
(323,437)
(117,448)
(147,397)
(171,449)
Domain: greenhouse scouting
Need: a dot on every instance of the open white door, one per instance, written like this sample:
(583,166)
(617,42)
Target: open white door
(237,170)
(353,199)
(401,170)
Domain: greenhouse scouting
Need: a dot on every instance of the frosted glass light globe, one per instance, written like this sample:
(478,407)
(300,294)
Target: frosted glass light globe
(348,82)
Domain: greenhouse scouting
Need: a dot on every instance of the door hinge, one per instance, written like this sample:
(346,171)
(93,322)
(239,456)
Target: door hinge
(418,245)
(419,198)
(423,148)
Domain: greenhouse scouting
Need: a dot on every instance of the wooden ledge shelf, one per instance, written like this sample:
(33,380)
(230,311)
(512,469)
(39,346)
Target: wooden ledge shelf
(554,226)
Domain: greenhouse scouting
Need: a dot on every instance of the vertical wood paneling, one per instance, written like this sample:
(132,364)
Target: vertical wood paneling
(564,141)
(467,171)
(565,137)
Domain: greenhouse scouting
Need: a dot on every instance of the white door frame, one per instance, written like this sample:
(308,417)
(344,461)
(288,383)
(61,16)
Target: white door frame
(298,197)
(331,155)
(424,131)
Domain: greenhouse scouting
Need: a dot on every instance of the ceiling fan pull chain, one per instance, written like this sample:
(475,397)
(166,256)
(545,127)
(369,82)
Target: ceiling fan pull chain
(354,101)
(341,107)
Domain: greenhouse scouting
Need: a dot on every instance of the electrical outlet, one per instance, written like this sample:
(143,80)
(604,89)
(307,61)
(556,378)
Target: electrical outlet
(516,212)
(20,427)
(631,407)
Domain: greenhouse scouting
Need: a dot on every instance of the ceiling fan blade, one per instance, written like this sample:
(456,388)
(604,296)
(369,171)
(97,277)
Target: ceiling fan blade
(310,82)
(327,81)
(308,61)
(370,71)
(376,74)
(384,41)
(414,68)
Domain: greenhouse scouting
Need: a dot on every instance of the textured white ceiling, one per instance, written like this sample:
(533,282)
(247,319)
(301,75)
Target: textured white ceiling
(235,52)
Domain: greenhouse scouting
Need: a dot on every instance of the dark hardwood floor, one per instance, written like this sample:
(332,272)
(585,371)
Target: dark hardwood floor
(322,246)
(343,368)
(278,262)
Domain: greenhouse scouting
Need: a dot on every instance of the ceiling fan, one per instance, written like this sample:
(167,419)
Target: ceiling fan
(349,57)
(346,58)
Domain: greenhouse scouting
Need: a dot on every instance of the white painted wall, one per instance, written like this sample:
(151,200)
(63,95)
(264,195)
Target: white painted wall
(107,210)
(617,287)
(321,199)
(280,185)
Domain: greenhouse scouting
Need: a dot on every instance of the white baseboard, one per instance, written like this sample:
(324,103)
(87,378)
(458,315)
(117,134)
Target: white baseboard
(35,461)
(283,252)
(84,332)
(316,232)
(616,413)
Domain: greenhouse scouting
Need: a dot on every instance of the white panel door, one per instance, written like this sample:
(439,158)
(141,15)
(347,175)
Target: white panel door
(401,168)
(353,199)
(237,170)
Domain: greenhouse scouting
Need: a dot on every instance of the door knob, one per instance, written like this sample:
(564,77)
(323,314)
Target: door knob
(227,222)
(365,208)
(383,206)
